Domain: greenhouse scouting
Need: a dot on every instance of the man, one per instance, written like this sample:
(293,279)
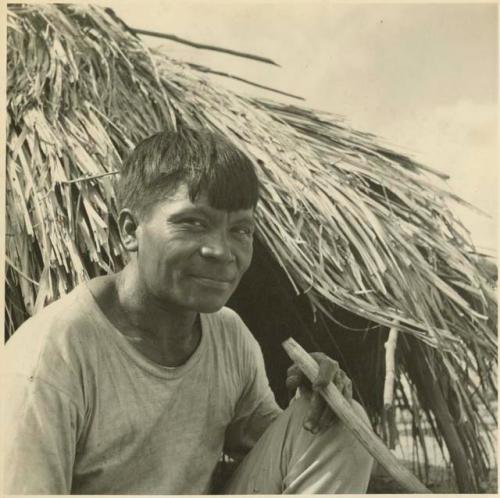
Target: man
(136,382)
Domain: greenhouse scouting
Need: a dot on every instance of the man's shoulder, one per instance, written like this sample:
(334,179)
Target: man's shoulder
(57,329)
(226,325)
(68,310)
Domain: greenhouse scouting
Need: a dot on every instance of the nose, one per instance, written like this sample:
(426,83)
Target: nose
(217,247)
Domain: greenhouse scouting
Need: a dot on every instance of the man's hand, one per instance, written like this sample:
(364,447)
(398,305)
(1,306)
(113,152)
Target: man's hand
(320,415)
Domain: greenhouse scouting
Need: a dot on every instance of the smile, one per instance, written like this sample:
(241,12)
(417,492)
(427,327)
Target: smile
(212,282)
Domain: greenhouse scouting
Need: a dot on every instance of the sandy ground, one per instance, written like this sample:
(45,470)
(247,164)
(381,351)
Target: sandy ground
(439,478)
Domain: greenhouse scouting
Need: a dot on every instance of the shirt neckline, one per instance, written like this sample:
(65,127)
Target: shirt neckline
(98,316)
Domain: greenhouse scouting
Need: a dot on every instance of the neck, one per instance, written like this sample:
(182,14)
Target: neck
(166,334)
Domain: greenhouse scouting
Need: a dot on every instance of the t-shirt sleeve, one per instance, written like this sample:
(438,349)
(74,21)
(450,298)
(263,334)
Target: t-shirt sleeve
(256,407)
(43,407)
(40,430)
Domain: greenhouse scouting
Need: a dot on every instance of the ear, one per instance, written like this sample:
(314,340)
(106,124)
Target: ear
(128,224)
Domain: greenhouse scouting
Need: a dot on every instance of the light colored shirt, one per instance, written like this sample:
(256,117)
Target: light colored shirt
(86,413)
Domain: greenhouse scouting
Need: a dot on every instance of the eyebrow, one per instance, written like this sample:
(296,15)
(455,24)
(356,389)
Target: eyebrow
(209,212)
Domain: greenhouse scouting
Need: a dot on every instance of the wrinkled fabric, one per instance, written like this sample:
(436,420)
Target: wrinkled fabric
(287,459)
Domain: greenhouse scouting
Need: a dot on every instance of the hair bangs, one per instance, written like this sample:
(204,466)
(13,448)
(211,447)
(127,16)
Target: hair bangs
(205,161)
(229,181)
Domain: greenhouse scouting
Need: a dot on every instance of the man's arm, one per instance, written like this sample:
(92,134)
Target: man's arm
(39,434)
(256,407)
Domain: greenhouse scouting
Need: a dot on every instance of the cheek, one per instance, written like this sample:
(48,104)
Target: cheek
(156,262)
(245,256)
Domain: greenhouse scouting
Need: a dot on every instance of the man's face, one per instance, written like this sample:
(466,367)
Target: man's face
(191,255)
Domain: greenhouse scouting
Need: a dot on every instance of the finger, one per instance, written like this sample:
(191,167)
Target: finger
(316,407)
(328,369)
(294,379)
(292,383)
(344,384)
(327,419)
(340,379)
(347,391)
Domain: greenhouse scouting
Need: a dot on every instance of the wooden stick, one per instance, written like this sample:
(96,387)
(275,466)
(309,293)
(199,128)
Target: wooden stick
(203,46)
(351,419)
(244,80)
(390,368)
(390,376)
(167,36)
(87,178)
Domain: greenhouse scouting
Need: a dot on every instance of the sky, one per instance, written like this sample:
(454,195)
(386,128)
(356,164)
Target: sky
(423,77)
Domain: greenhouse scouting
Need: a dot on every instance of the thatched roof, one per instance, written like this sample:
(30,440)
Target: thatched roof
(352,223)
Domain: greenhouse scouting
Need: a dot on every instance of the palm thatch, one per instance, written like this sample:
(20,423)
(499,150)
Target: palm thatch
(353,224)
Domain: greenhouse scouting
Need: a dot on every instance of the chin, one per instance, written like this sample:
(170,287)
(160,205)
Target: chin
(199,304)
(207,301)
(210,306)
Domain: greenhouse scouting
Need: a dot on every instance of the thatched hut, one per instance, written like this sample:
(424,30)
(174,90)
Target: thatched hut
(353,239)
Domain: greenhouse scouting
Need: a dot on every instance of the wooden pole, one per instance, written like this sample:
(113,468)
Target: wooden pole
(203,46)
(390,376)
(351,419)
(390,367)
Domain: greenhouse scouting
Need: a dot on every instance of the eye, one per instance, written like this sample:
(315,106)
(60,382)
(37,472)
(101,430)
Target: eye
(243,230)
(194,222)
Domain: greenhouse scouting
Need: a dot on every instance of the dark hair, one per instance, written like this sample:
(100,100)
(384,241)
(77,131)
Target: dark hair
(202,159)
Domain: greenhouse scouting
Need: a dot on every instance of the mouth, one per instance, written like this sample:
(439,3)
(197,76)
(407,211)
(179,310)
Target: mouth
(214,282)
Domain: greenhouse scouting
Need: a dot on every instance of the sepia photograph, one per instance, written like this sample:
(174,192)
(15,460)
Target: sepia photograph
(250,248)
